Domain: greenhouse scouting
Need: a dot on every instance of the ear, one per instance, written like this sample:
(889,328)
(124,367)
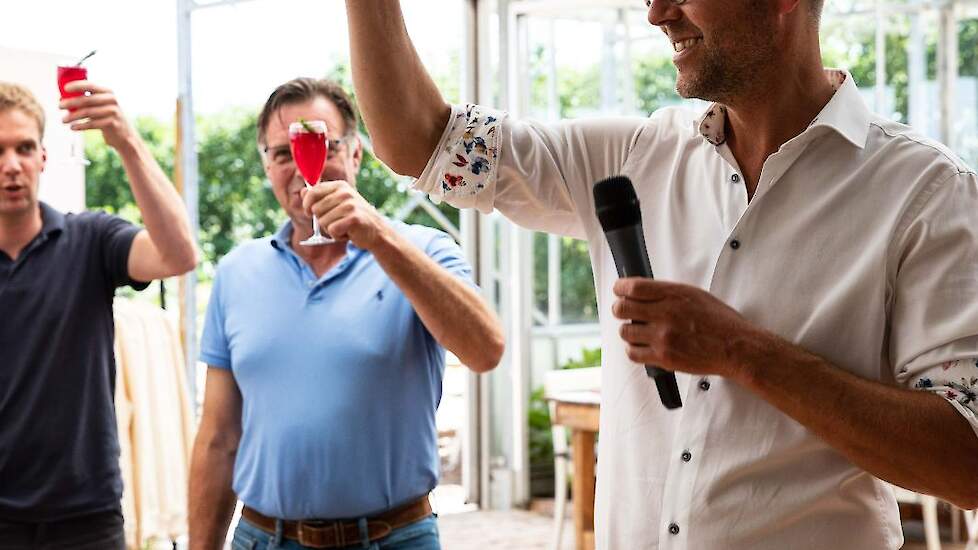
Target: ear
(44,157)
(265,165)
(357,157)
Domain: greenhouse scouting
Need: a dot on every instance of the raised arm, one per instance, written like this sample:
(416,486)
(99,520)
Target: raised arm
(166,248)
(391,82)
(451,310)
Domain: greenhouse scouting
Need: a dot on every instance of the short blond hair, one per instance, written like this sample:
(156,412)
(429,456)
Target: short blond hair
(15,96)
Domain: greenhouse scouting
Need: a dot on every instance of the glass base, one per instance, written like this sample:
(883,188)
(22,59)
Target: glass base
(317,240)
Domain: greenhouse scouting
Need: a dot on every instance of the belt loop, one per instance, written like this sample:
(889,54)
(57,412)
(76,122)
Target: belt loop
(364,532)
(277,541)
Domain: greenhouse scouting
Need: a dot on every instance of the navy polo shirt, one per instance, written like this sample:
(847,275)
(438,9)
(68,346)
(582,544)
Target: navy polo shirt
(59,448)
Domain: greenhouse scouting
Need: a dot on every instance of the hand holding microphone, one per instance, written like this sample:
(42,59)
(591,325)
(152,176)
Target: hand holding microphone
(618,211)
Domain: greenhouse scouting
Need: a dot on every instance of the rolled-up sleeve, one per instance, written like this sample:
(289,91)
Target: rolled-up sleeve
(956,381)
(934,330)
(536,174)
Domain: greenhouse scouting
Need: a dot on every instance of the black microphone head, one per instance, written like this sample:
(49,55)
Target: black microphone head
(616,203)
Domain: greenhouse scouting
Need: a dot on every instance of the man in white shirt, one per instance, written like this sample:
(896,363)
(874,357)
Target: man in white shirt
(818,279)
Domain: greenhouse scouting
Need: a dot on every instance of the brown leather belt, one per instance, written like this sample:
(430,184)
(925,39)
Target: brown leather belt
(343,532)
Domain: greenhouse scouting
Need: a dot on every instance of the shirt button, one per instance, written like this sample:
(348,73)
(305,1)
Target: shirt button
(673,528)
(311,284)
(735,178)
(687,456)
(704,384)
(735,244)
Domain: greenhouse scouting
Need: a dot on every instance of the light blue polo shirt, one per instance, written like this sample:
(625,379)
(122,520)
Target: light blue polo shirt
(340,380)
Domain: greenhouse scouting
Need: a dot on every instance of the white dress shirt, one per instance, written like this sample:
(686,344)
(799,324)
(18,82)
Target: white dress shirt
(859,245)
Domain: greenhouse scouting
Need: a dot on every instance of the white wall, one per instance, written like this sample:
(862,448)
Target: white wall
(63,180)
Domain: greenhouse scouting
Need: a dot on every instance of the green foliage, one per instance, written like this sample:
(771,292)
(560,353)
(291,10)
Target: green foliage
(235,199)
(541,445)
(106,185)
(577,298)
(860,59)
(854,48)
(655,83)
(578,90)
(968,47)
(590,357)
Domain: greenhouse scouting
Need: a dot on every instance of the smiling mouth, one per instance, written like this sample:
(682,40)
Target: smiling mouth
(682,45)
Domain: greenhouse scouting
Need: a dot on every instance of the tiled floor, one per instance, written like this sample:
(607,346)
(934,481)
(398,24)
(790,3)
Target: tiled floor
(514,530)
(523,530)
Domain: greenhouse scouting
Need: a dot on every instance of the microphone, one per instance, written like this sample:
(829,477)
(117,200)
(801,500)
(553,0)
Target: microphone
(618,211)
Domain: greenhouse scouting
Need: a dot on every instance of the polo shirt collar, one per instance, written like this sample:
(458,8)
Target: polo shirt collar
(52,225)
(846,113)
(282,238)
(53,221)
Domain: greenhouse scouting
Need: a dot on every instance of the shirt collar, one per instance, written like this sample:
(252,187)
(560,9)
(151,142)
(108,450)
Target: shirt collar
(52,220)
(280,240)
(846,113)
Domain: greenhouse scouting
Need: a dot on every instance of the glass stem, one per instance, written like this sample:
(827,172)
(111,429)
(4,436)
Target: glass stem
(315,222)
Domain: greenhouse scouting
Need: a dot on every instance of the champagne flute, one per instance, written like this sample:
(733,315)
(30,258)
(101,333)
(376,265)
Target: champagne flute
(307,138)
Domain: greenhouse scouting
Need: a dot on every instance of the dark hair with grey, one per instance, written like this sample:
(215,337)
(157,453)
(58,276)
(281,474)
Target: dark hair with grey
(300,90)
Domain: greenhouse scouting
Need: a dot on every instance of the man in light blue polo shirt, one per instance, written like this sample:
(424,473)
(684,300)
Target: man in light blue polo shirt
(326,362)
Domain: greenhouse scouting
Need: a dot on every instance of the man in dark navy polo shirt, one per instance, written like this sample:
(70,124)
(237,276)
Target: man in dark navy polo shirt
(60,485)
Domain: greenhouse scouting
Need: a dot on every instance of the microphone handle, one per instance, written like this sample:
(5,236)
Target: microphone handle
(665,383)
(624,242)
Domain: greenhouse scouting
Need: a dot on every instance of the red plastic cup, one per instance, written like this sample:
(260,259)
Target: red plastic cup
(71,74)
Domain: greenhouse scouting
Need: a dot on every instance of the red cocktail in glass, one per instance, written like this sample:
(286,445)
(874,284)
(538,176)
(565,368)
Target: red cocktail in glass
(309,151)
(66,75)
(70,74)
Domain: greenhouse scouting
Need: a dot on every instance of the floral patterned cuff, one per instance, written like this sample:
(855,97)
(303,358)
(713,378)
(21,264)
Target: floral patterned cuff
(956,381)
(463,169)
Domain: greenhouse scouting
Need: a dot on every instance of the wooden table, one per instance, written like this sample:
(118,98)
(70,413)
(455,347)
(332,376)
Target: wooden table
(579,412)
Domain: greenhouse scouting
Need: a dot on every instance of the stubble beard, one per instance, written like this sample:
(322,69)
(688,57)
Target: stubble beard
(726,75)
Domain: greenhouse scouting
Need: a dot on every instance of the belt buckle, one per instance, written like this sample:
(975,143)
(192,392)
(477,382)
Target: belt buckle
(319,527)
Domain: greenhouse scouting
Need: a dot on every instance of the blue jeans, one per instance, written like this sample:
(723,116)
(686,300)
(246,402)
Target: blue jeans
(420,535)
